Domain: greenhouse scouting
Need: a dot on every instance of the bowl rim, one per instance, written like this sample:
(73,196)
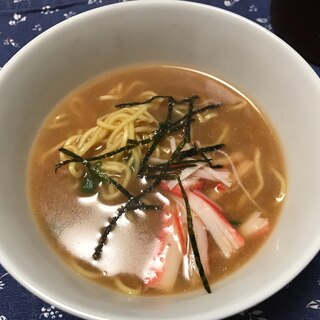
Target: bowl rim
(271,288)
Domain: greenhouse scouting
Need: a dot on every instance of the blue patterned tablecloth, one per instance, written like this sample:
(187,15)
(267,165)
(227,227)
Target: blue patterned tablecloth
(20,22)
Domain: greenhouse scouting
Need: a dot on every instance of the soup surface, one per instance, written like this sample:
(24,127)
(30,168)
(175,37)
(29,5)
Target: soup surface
(195,190)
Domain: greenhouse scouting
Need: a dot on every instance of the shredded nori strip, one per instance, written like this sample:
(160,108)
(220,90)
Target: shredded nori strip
(130,145)
(170,100)
(194,112)
(217,166)
(193,240)
(170,110)
(208,160)
(188,122)
(198,151)
(103,238)
(172,167)
(163,128)
(234,223)
(152,207)
(175,126)
(172,176)
(179,163)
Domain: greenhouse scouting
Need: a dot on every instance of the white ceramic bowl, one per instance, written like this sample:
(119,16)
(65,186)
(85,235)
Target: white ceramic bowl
(198,36)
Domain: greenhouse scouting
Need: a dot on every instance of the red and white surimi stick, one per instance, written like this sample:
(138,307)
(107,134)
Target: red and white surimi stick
(201,237)
(214,175)
(185,173)
(187,184)
(255,225)
(202,242)
(225,236)
(179,227)
(162,270)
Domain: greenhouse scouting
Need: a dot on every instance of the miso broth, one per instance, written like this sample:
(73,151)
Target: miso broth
(242,182)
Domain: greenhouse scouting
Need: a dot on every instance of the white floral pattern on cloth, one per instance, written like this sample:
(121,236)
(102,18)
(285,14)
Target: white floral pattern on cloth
(3,317)
(230,3)
(264,22)
(48,10)
(94,2)
(2,283)
(11,42)
(17,18)
(37,27)
(315,304)
(69,14)
(50,313)
(253,8)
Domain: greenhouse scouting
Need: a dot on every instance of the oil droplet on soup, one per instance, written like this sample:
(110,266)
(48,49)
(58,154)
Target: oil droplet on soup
(159,197)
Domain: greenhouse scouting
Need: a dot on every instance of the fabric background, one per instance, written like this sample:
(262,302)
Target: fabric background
(23,20)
